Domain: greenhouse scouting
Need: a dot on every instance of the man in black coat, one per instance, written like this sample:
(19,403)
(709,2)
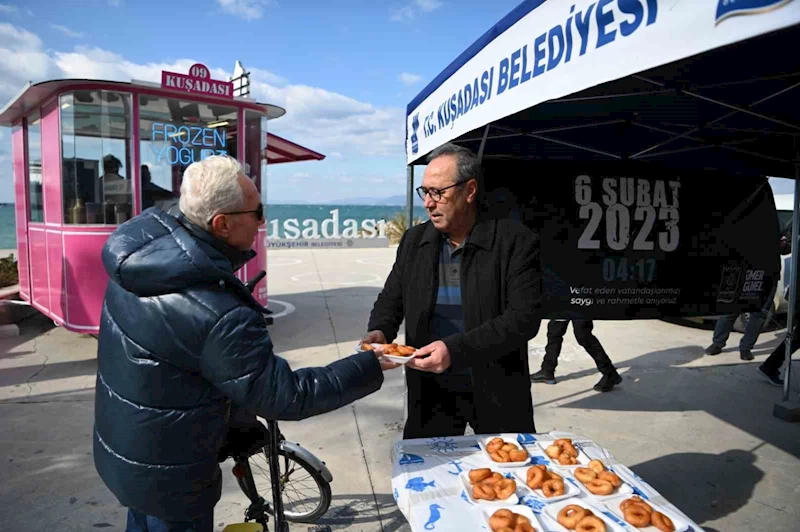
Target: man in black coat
(182,341)
(469,289)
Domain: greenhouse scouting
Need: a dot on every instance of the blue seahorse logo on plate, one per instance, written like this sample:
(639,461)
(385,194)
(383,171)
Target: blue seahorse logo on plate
(539,460)
(730,8)
(408,459)
(533,503)
(640,493)
(614,518)
(435,516)
(526,438)
(419,484)
(464,496)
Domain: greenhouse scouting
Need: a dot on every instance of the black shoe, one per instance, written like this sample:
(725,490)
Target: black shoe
(608,382)
(713,349)
(745,354)
(775,380)
(543,376)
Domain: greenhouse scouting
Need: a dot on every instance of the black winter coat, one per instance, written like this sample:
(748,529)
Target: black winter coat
(500,298)
(181,339)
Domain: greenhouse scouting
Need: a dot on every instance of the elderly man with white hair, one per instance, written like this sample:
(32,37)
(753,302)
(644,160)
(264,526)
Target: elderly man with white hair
(182,341)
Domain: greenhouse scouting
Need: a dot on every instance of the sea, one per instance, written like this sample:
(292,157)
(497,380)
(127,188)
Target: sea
(320,213)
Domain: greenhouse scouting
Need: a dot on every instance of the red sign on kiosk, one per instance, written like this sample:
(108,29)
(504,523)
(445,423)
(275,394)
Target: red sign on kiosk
(197,82)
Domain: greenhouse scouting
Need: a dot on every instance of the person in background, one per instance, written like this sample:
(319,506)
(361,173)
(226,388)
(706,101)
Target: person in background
(722,330)
(556,329)
(152,194)
(770,369)
(469,289)
(755,323)
(182,342)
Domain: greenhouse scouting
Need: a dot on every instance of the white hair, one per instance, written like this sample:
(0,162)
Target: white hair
(209,187)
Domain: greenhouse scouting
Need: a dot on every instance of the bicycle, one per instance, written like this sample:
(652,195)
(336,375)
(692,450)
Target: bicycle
(251,441)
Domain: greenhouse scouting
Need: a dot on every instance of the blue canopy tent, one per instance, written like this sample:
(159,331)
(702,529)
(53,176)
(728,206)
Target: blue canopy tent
(682,86)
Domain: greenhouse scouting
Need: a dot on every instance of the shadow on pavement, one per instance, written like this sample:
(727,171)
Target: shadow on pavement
(705,487)
(48,372)
(379,510)
(734,393)
(29,328)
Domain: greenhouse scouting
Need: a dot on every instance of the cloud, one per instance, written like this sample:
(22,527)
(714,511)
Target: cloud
(404,13)
(428,5)
(408,12)
(246,9)
(66,31)
(409,79)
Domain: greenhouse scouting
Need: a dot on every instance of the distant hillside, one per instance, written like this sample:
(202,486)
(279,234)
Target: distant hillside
(390,201)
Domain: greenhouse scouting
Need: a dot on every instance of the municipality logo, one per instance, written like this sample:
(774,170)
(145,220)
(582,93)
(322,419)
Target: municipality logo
(414,128)
(730,8)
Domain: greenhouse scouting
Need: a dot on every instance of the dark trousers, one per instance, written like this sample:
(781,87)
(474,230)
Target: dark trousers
(447,411)
(139,522)
(583,334)
(775,360)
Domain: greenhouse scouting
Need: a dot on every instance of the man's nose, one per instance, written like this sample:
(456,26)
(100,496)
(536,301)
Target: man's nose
(428,202)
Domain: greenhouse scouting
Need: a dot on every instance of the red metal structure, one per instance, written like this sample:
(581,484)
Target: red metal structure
(90,154)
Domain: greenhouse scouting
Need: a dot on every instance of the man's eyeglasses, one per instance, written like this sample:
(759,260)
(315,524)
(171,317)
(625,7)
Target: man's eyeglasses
(259,212)
(435,193)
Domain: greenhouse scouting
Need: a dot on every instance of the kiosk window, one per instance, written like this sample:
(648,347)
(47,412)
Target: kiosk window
(36,210)
(255,150)
(172,135)
(95,147)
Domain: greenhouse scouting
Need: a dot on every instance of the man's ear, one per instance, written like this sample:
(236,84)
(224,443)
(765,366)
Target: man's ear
(219,226)
(472,190)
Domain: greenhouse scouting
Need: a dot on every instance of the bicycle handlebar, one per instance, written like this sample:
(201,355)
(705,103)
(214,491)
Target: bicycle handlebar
(251,284)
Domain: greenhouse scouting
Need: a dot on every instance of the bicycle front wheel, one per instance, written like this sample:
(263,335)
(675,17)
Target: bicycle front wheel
(306,495)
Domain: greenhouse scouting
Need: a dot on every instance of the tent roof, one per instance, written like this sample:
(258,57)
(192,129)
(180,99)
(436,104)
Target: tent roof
(280,150)
(731,105)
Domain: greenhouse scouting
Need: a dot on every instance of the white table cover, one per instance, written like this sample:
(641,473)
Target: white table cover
(429,493)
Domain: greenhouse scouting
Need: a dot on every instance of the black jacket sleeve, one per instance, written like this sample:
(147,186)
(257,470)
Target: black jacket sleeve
(238,359)
(522,316)
(387,313)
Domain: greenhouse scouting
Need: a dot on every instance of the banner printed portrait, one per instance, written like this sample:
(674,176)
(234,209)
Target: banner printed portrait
(637,242)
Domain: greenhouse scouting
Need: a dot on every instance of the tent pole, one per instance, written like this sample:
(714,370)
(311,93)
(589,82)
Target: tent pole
(410,196)
(793,283)
(788,410)
(483,143)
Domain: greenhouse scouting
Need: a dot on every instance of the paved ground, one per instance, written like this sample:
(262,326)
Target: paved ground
(700,429)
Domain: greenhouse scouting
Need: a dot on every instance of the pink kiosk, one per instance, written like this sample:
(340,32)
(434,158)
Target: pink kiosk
(89,154)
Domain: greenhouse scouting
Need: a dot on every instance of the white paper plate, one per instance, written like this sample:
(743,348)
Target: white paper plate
(518,509)
(508,438)
(681,524)
(583,460)
(398,360)
(512,500)
(570,490)
(611,521)
(623,491)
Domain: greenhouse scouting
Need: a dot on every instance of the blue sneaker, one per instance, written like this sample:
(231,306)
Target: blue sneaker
(543,376)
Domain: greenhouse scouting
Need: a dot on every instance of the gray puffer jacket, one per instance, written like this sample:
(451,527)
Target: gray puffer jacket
(181,340)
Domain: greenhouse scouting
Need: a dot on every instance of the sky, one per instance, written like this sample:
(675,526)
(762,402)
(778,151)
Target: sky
(343,70)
